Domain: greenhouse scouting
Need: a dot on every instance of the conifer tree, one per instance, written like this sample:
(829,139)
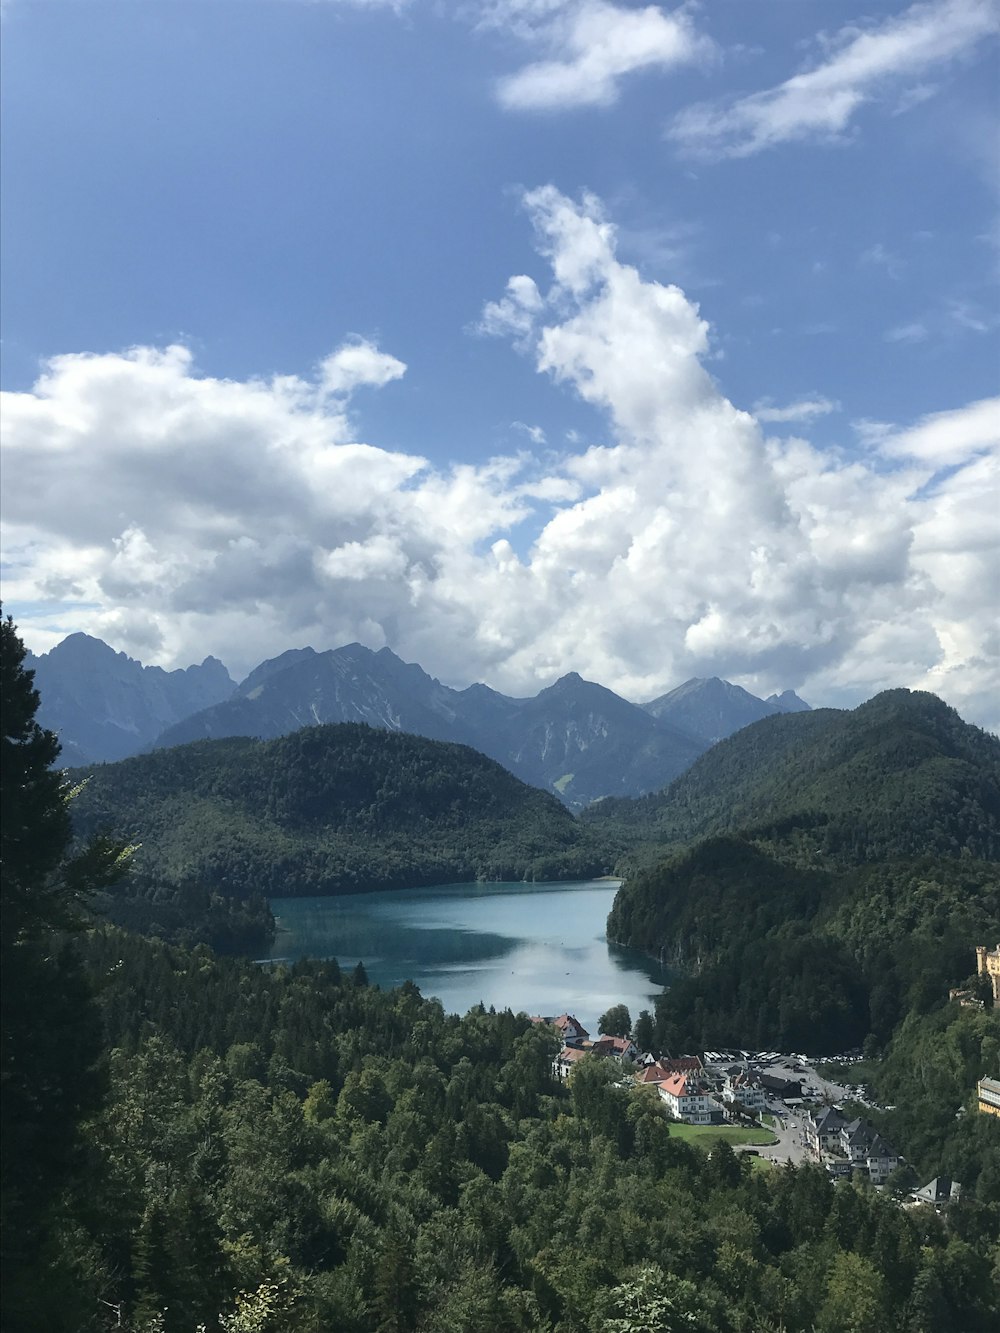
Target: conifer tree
(51,1033)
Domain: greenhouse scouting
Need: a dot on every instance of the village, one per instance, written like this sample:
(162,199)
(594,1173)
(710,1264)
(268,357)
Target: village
(779,1105)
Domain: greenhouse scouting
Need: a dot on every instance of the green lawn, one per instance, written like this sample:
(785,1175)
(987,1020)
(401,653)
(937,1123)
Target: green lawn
(760,1164)
(706,1135)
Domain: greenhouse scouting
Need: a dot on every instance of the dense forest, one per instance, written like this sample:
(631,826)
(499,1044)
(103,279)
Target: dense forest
(194,1142)
(361,1161)
(817,876)
(900,776)
(221,825)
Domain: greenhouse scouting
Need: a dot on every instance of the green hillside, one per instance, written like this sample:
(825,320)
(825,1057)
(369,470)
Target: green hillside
(902,775)
(825,874)
(326,810)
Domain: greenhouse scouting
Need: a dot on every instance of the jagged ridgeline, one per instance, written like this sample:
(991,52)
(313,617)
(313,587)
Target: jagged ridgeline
(333,809)
(849,867)
(902,775)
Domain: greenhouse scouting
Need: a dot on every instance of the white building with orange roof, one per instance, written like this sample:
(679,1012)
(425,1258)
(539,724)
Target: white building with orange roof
(686,1099)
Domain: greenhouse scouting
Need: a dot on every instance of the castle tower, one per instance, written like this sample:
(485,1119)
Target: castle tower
(988,964)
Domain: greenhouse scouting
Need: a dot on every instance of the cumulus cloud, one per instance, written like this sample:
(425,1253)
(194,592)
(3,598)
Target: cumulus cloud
(191,514)
(590,47)
(862,64)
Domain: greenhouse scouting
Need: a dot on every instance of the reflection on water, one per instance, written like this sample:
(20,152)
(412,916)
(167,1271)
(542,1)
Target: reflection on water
(536,947)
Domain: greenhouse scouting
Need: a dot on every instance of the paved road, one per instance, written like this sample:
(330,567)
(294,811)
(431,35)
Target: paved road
(792,1143)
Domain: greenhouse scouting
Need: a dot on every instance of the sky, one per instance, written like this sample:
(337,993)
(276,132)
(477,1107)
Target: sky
(523,337)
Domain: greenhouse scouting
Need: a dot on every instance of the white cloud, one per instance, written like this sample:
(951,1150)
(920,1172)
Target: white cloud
(534,433)
(914,332)
(356,364)
(864,64)
(192,514)
(804,410)
(590,46)
(944,439)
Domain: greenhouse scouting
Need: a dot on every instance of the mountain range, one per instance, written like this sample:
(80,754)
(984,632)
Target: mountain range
(576,738)
(105,706)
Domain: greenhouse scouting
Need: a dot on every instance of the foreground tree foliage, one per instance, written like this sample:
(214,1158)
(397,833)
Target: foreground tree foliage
(292,1147)
(51,1030)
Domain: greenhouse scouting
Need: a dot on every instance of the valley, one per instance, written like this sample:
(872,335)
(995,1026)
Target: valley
(305,1088)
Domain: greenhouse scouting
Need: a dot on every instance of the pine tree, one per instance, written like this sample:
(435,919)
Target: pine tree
(51,1031)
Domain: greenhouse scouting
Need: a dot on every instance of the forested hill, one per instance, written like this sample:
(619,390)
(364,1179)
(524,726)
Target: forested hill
(902,775)
(818,876)
(330,809)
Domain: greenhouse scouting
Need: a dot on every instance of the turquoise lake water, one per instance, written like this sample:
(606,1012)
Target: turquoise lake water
(540,948)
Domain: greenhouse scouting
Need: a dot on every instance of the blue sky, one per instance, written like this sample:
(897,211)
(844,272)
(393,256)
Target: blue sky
(735,415)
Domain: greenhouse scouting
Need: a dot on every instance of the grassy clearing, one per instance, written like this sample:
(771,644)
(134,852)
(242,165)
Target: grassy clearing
(761,1165)
(705,1136)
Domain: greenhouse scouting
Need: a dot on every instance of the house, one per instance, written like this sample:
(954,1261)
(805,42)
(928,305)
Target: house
(881,1160)
(939,1192)
(686,1098)
(658,1070)
(850,1145)
(989,1096)
(567,1059)
(865,1148)
(823,1130)
(624,1048)
(683,1064)
(781,1087)
(744,1089)
(572,1032)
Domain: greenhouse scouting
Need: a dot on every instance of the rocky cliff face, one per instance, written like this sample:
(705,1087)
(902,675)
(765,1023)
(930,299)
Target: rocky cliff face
(106,706)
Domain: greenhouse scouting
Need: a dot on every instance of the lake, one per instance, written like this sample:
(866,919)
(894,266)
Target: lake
(536,947)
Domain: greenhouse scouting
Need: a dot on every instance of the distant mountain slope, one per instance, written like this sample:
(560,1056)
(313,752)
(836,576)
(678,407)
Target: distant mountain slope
(329,810)
(901,775)
(104,705)
(825,873)
(585,741)
(304,688)
(575,738)
(712,709)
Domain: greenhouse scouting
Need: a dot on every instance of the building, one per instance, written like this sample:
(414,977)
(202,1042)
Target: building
(850,1145)
(624,1048)
(570,1029)
(686,1099)
(663,1068)
(988,964)
(781,1087)
(989,1096)
(744,1089)
(866,1150)
(939,1192)
(823,1131)
(567,1059)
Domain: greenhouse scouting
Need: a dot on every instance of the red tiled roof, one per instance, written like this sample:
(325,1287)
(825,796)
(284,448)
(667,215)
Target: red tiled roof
(676,1085)
(565,1020)
(651,1074)
(684,1064)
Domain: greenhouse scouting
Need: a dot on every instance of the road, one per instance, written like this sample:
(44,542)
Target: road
(792,1145)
